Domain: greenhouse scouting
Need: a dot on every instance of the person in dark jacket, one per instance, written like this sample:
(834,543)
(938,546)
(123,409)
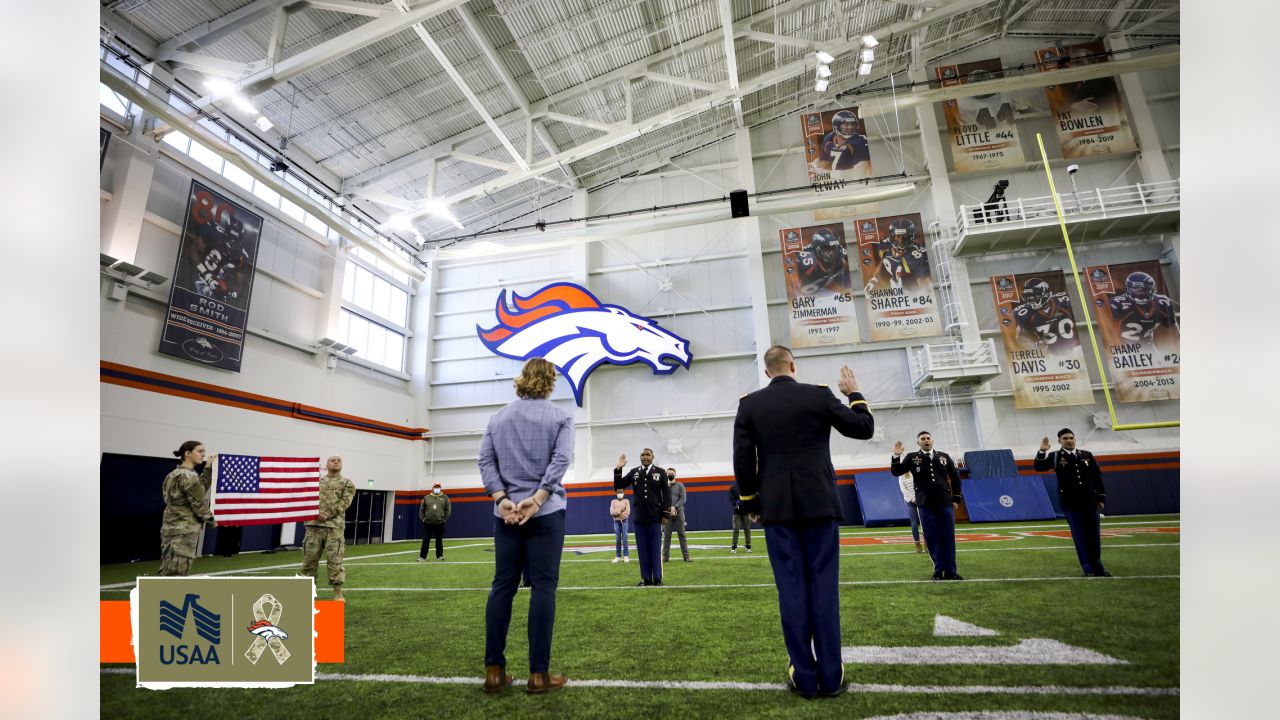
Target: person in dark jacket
(650,510)
(1081,494)
(782,464)
(740,519)
(434,513)
(937,494)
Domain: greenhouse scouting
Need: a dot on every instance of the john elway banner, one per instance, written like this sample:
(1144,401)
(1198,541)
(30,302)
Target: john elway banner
(212,282)
(1140,329)
(835,145)
(819,286)
(1038,324)
(1089,115)
(981,128)
(897,278)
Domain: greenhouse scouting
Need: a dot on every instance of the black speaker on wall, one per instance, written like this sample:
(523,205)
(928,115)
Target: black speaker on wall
(738,203)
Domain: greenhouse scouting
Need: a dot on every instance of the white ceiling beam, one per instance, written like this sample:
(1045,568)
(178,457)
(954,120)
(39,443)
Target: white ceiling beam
(583,122)
(214,30)
(731,57)
(209,65)
(389,200)
(438,53)
(683,82)
(349,7)
(486,162)
(773,39)
(1155,18)
(275,44)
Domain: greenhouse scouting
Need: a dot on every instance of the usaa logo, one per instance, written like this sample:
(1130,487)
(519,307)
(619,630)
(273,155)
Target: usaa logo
(208,626)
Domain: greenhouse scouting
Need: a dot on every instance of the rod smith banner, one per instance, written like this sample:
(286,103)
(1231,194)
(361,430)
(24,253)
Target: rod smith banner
(1090,116)
(819,286)
(835,146)
(1038,324)
(1140,327)
(897,279)
(213,280)
(981,127)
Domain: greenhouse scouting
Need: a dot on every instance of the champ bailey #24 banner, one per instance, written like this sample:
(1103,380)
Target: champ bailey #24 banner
(1090,114)
(835,146)
(818,286)
(1140,329)
(209,299)
(898,282)
(981,127)
(1038,324)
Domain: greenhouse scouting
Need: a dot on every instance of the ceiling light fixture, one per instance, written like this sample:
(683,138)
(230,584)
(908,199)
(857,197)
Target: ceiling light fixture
(245,106)
(869,41)
(220,87)
(868,55)
(864,69)
(824,57)
(263,123)
(821,85)
(824,71)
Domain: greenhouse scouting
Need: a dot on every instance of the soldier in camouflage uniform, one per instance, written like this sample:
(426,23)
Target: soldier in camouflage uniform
(186,510)
(325,533)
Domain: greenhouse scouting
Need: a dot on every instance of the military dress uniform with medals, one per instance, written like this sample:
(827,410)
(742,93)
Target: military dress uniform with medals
(937,483)
(651,503)
(1080,491)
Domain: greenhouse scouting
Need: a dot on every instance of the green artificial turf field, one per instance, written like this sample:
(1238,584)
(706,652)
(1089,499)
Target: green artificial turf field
(709,644)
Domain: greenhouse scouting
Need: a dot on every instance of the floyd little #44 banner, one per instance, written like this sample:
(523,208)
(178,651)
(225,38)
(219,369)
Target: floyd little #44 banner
(819,287)
(835,146)
(209,298)
(981,127)
(1140,328)
(1089,114)
(897,278)
(1038,324)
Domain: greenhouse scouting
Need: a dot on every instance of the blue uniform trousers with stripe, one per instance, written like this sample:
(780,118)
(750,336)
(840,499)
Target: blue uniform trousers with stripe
(806,569)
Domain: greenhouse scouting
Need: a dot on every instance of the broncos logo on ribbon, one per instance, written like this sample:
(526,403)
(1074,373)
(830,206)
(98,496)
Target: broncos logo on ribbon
(574,331)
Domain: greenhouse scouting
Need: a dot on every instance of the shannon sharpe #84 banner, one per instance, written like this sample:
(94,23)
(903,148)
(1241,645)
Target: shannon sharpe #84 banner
(209,299)
(1089,114)
(981,127)
(897,279)
(1139,328)
(1038,324)
(835,146)
(818,286)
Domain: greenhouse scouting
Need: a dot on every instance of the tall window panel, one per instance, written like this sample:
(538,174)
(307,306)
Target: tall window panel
(375,310)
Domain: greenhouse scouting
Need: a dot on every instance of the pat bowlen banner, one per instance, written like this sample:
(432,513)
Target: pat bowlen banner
(1089,115)
(1139,328)
(1038,324)
(896,276)
(819,286)
(981,128)
(835,146)
(212,282)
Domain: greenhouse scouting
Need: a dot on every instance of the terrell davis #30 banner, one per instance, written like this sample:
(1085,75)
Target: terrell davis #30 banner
(209,299)
(895,272)
(818,286)
(835,146)
(1139,328)
(1038,324)
(981,127)
(1090,114)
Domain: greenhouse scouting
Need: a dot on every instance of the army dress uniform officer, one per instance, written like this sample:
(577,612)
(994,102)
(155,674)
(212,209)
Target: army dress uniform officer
(186,510)
(937,483)
(650,510)
(325,533)
(782,464)
(1081,494)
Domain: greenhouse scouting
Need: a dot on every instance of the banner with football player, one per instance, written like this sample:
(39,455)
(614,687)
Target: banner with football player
(1140,328)
(1090,116)
(212,282)
(981,127)
(835,146)
(896,278)
(819,286)
(1038,324)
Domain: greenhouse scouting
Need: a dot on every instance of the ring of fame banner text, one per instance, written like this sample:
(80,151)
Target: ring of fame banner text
(835,146)
(1140,328)
(212,282)
(896,278)
(819,286)
(981,127)
(1089,115)
(1038,324)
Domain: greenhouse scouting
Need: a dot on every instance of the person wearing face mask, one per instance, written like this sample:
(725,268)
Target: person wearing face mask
(186,510)
(652,510)
(676,521)
(434,513)
(937,485)
(1081,494)
(620,511)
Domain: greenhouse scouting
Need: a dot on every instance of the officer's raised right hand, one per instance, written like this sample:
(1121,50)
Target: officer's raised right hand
(897,448)
(622,461)
(848,382)
(1044,444)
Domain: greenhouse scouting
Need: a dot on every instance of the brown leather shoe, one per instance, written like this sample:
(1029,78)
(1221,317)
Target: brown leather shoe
(496,679)
(545,682)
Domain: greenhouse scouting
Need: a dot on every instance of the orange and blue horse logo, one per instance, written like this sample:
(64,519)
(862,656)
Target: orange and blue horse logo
(574,331)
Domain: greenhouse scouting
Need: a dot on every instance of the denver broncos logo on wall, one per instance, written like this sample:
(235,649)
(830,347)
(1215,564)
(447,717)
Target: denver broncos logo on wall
(574,331)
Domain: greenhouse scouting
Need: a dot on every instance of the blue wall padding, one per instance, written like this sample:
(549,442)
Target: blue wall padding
(1025,497)
(880,499)
(1051,487)
(990,463)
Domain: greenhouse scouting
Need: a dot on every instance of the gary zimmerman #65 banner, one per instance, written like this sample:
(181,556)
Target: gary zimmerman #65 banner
(1038,324)
(819,289)
(213,280)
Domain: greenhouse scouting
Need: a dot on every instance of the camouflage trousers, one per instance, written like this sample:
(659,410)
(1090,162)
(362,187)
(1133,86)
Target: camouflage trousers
(177,550)
(329,542)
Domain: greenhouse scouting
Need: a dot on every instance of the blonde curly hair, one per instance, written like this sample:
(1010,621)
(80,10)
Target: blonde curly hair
(536,379)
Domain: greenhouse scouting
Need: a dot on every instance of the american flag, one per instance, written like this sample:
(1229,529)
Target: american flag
(255,490)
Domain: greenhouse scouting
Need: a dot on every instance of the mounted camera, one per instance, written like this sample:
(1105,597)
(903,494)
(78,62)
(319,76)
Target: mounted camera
(1073,169)
(996,208)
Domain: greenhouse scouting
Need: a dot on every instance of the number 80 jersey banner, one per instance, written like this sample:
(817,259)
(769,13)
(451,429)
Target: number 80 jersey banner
(1140,329)
(1038,324)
